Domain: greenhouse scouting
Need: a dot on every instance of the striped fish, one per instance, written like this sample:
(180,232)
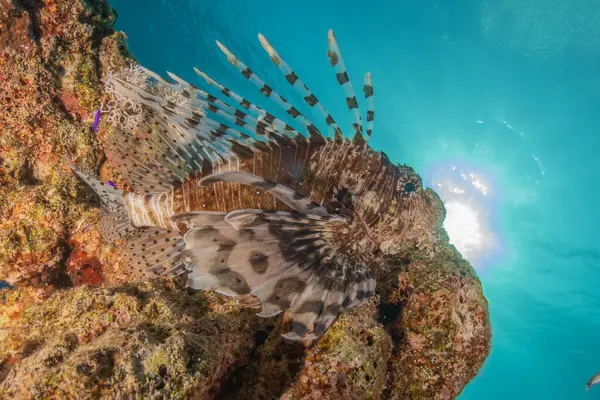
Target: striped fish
(246,203)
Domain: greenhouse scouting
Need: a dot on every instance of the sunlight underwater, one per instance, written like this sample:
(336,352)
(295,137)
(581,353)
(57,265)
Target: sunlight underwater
(472,202)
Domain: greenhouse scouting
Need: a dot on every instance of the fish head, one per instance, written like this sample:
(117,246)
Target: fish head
(409,183)
(413,218)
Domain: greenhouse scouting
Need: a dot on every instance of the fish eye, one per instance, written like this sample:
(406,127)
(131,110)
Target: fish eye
(409,187)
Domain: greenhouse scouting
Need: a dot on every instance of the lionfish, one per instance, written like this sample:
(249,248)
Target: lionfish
(247,204)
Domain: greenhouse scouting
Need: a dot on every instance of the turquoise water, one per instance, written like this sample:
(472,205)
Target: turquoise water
(496,101)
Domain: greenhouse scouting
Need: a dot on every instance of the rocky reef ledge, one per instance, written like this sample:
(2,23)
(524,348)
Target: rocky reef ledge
(74,328)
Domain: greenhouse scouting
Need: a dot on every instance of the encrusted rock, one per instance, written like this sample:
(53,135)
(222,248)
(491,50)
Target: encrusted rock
(150,339)
(52,55)
(443,331)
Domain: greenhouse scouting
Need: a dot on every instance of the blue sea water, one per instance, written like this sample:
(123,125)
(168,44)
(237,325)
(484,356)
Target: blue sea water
(495,102)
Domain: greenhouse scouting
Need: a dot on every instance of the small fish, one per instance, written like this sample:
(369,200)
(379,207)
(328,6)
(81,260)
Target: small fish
(112,184)
(246,204)
(96,120)
(593,381)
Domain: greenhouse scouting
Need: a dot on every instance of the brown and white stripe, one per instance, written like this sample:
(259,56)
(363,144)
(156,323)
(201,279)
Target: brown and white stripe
(368,90)
(265,124)
(263,116)
(151,209)
(309,128)
(337,62)
(304,91)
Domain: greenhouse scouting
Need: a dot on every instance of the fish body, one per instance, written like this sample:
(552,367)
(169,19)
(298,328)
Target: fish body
(245,203)
(593,381)
(316,171)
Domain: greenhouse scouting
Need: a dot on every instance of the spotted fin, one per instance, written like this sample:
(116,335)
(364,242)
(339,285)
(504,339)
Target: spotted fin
(114,220)
(284,259)
(154,252)
(234,116)
(114,226)
(291,198)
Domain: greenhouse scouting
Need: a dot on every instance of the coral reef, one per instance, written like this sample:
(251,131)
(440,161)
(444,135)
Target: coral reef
(442,332)
(350,361)
(50,68)
(74,326)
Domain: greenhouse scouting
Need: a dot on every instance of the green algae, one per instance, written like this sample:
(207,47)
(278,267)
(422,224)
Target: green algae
(115,340)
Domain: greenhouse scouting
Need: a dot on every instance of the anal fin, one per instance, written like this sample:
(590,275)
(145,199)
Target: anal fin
(154,252)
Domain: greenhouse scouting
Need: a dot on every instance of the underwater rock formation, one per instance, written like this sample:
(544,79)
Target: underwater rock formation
(51,55)
(145,339)
(442,333)
(423,336)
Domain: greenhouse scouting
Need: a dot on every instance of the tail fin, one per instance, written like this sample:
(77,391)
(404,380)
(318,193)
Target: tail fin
(115,220)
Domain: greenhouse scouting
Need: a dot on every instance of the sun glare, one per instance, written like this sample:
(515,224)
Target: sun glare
(471,202)
(463,227)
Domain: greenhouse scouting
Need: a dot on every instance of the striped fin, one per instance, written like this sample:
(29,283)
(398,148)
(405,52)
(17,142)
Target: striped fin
(284,259)
(309,128)
(306,93)
(167,132)
(263,116)
(291,198)
(337,62)
(360,288)
(208,129)
(274,127)
(368,90)
(154,252)
(169,141)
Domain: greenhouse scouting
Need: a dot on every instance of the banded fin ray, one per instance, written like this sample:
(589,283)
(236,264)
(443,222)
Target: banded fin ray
(218,107)
(369,96)
(285,259)
(336,60)
(166,132)
(230,113)
(309,128)
(263,118)
(297,83)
